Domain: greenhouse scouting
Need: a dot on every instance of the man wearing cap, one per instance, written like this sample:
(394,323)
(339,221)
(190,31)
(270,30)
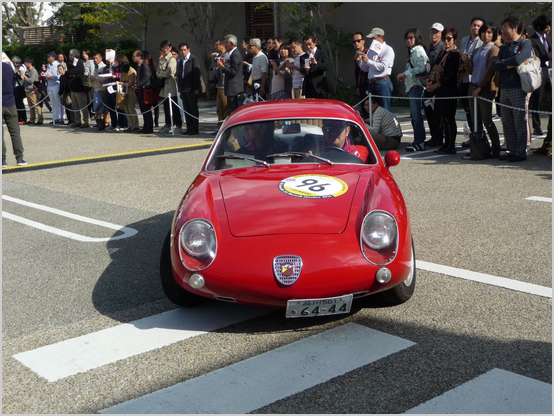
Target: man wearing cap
(53,77)
(434,49)
(378,63)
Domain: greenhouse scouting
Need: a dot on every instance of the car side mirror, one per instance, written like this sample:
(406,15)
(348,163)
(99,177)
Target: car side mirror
(392,158)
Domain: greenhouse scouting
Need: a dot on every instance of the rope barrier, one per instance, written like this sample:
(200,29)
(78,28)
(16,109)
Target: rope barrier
(369,96)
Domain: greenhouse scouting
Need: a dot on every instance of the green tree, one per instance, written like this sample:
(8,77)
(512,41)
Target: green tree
(19,14)
(527,12)
(204,22)
(117,20)
(305,18)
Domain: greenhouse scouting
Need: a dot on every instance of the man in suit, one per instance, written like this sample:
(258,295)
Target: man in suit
(313,65)
(76,75)
(188,81)
(234,84)
(543,51)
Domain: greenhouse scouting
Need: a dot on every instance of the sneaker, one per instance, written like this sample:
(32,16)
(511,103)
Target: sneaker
(110,128)
(4,163)
(21,162)
(165,129)
(178,130)
(415,147)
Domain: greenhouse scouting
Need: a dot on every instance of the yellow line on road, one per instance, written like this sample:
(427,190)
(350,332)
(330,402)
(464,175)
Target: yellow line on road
(55,162)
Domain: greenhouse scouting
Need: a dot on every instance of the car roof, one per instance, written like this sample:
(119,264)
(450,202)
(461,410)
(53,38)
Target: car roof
(299,108)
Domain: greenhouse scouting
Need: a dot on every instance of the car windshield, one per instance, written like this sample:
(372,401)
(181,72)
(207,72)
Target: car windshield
(279,142)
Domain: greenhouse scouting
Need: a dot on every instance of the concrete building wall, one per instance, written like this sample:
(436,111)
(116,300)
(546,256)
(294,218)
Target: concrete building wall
(393,17)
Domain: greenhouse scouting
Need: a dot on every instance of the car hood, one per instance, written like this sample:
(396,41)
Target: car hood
(276,203)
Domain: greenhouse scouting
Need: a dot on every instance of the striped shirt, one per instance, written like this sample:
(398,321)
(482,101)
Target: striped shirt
(385,123)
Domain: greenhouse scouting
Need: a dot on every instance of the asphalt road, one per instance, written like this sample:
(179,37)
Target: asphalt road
(86,327)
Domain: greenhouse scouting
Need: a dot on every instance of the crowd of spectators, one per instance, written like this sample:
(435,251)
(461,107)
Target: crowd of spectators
(89,86)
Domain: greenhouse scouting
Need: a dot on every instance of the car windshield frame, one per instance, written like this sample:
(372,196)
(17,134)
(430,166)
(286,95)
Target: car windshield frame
(287,141)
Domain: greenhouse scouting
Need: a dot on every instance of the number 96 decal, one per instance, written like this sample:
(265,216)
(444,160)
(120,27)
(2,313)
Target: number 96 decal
(313,186)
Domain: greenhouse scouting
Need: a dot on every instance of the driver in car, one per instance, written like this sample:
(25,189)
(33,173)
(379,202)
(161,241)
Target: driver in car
(335,134)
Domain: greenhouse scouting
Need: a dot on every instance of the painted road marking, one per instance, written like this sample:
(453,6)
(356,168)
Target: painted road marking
(539,198)
(497,391)
(486,278)
(271,376)
(109,156)
(127,232)
(77,355)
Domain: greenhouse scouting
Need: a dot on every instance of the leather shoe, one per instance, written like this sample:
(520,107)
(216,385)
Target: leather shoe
(433,143)
(542,151)
(537,133)
(76,125)
(192,133)
(84,126)
(465,144)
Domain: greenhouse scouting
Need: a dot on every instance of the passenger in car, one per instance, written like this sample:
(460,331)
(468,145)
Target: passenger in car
(260,140)
(336,134)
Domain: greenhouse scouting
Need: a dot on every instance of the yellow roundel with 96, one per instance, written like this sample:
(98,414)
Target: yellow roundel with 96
(313,186)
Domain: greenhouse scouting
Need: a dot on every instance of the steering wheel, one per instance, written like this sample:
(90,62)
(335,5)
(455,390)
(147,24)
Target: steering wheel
(332,149)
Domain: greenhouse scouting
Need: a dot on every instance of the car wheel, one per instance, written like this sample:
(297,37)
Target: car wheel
(404,291)
(173,291)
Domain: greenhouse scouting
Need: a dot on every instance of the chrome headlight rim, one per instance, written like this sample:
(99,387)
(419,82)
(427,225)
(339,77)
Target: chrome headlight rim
(392,248)
(211,252)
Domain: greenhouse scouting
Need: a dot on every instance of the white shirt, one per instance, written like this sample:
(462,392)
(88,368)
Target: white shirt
(379,65)
(185,60)
(52,69)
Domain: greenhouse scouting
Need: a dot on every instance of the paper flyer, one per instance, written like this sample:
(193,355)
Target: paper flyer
(376,47)
(110,55)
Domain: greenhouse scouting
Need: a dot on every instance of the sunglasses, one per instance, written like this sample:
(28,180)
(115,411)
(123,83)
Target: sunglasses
(334,127)
(409,37)
(448,38)
(357,40)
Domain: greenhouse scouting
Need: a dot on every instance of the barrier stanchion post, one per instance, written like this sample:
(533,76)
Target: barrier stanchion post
(171,113)
(475,115)
(370,109)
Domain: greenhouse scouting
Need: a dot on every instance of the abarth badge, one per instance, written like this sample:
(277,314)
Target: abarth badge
(287,269)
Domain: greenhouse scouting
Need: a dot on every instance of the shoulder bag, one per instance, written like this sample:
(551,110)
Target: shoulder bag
(530,73)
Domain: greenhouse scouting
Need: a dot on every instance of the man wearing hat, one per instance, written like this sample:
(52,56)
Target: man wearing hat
(53,77)
(434,49)
(378,63)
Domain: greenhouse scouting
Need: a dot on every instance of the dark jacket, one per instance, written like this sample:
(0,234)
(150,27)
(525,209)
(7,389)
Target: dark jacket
(8,76)
(190,82)
(76,76)
(511,54)
(144,76)
(234,84)
(538,47)
(316,75)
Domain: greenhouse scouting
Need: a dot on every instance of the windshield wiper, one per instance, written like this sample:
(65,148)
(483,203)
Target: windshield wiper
(302,154)
(243,157)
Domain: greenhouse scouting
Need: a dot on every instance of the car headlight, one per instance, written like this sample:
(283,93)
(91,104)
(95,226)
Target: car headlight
(198,244)
(379,237)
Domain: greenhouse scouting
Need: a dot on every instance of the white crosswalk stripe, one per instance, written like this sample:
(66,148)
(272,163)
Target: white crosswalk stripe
(266,378)
(497,391)
(77,355)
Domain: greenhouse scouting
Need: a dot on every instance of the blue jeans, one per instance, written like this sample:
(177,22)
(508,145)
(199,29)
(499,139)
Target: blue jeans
(415,114)
(383,88)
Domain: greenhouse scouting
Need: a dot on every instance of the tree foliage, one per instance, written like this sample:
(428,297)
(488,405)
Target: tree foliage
(204,22)
(305,18)
(19,14)
(529,11)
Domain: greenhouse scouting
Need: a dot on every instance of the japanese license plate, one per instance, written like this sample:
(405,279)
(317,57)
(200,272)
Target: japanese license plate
(305,308)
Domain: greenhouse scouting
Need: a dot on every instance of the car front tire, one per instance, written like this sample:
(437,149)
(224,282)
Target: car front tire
(172,290)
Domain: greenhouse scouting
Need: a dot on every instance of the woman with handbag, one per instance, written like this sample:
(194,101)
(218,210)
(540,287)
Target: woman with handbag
(443,81)
(415,70)
(483,83)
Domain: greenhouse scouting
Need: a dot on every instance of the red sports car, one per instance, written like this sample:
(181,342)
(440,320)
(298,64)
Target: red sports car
(293,208)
